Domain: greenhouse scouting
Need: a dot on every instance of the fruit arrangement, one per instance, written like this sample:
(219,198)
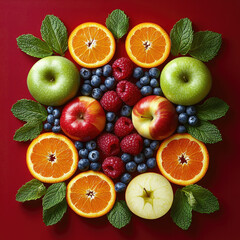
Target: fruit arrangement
(119,129)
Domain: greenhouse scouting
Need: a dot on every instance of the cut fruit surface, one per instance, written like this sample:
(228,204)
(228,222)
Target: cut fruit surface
(182,159)
(91,194)
(148,45)
(52,158)
(91,45)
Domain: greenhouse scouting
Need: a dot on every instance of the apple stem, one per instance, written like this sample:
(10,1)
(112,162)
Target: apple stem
(147,117)
(185,78)
(146,192)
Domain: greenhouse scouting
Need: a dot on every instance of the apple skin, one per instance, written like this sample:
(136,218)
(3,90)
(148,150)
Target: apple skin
(149,195)
(53,80)
(83,119)
(154,117)
(185,81)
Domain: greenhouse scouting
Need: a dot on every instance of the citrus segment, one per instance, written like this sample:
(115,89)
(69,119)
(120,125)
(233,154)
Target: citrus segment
(182,159)
(91,194)
(52,158)
(91,45)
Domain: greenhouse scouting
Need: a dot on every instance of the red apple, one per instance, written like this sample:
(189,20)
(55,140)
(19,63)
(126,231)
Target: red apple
(83,119)
(154,117)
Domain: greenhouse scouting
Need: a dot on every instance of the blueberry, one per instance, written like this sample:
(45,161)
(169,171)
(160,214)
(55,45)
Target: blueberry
(91,145)
(50,118)
(154,73)
(139,158)
(146,90)
(99,72)
(97,93)
(120,187)
(141,168)
(87,82)
(83,164)
(154,83)
(148,152)
(154,145)
(146,74)
(180,109)
(126,111)
(193,120)
(94,156)
(95,166)
(103,88)
(107,70)
(95,81)
(56,129)
(83,153)
(86,90)
(56,122)
(110,116)
(183,118)
(131,166)
(109,127)
(145,80)
(181,129)
(126,178)
(157,91)
(138,84)
(56,113)
(191,110)
(146,142)
(78,145)
(151,163)
(110,82)
(126,157)
(47,126)
(94,72)
(49,109)
(138,72)
(85,73)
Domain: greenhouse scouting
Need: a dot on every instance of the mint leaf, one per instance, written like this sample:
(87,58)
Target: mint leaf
(205,132)
(181,37)
(28,110)
(205,201)
(28,131)
(181,211)
(212,109)
(54,214)
(205,45)
(33,46)
(120,215)
(31,190)
(55,34)
(54,195)
(118,23)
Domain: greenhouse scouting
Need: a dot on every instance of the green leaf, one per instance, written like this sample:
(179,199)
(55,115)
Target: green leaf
(28,131)
(28,110)
(205,132)
(181,37)
(55,34)
(181,211)
(118,23)
(54,214)
(205,201)
(205,45)
(212,109)
(54,195)
(33,46)
(120,215)
(31,190)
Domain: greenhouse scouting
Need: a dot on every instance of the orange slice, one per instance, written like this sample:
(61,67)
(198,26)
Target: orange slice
(182,159)
(91,45)
(148,45)
(91,194)
(52,158)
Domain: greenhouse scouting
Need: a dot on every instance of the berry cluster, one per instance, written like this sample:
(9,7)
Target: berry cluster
(53,120)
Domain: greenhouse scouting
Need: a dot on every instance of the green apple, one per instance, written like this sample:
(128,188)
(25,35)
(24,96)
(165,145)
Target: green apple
(149,195)
(53,80)
(185,81)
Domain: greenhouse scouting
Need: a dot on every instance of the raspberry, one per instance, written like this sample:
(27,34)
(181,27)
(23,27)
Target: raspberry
(132,144)
(128,92)
(111,102)
(122,68)
(123,127)
(108,144)
(113,167)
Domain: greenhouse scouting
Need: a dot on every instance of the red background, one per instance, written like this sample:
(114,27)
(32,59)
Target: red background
(25,220)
